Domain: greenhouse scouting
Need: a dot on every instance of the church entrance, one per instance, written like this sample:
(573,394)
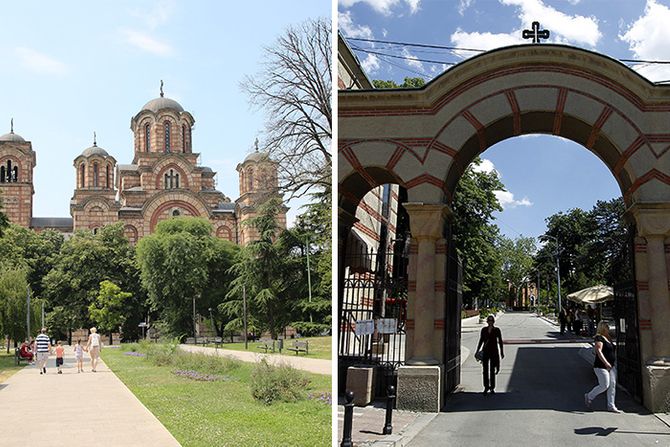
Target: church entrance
(424,139)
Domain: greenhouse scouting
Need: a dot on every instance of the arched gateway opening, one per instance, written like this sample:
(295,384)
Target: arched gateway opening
(423,140)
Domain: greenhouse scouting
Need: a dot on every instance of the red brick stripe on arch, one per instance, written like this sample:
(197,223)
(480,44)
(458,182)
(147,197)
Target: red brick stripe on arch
(479,127)
(650,175)
(600,122)
(516,113)
(348,153)
(630,150)
(426,178)
(560,106)
(170,204)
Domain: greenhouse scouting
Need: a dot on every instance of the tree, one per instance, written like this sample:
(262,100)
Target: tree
(108,309)
(222,257)
(13,305)
(265,271)
(84,261)
(174,264)
(294,90)
(517,263)
(4,221)
(475,235)
(407,83)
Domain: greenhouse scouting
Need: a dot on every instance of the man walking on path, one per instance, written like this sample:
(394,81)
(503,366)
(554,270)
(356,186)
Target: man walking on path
(43,344)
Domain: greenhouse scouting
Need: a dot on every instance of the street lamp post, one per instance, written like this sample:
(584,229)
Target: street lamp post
(244,316)
(28,310)
(309,281)
(558,270)
(211,318)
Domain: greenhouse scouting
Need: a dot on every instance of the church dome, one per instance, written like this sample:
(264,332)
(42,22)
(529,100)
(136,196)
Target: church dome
(162,103)
(257,156)
(11,136)
(94,150)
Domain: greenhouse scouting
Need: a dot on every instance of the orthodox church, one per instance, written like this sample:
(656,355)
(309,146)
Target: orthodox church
(163,180)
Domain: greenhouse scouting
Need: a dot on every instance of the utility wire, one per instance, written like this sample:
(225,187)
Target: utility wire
(401,57)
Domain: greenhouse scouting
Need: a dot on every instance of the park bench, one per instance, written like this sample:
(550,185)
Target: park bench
(267,345)
(19,359)
(190,340)
(300,346)
(217,341)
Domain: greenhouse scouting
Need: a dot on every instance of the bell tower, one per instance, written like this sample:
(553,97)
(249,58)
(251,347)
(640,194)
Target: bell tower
(17,161)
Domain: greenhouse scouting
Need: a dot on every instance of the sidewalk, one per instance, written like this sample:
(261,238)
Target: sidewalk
(316,366)
(523,409)
(75,410)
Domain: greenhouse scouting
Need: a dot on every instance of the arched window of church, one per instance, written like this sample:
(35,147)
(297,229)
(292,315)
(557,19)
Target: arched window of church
(95,175)
(82,176)
(147,137)
(9,171)
(176,180)
(250,179)
(171,179)
(107,181)
(2,174)
(166,179)
(167,136)
(15,174)
(183,138)
(175,213)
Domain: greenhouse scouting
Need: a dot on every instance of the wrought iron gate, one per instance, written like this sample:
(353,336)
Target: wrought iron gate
(374,290)
(629,369)
(452,316)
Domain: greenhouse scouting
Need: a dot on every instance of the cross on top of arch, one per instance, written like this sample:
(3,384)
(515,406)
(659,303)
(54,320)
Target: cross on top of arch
(535,33)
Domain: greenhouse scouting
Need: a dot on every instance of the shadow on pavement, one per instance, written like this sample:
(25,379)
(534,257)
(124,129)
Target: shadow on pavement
(541,378)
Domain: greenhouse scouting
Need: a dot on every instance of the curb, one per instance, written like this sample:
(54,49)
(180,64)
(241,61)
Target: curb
(405,437)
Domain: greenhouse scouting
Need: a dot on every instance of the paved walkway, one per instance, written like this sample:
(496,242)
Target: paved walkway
(316,366)
(73,410)
(539,400)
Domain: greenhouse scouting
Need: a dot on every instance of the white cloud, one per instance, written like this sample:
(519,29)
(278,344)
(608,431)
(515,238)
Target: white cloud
(463,5)
(649,38)
(383,6)
(483,41)
(370,64)
(346,24)
(412,60)
(486,165)
(159,14)
(575,29)
(40,62)
(146,42)
(508,201)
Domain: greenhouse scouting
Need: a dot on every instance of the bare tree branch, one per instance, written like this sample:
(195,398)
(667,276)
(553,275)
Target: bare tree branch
(294,91)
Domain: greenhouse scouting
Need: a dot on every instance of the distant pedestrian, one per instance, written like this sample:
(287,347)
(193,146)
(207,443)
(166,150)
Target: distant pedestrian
(79,356)
(489,339)
(604,367)
(93,346)
(43,347)
(562,319)
(60,353)
(570,318)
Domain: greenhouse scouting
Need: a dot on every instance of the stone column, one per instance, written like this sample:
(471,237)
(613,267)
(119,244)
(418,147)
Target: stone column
(419,381)
(653,224)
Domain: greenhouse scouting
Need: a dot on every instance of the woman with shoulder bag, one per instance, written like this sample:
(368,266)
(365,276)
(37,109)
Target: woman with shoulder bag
(490,338)
(604,367)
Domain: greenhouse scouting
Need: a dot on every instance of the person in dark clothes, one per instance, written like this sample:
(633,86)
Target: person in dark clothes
(562,319)
(489,340)
(604,367)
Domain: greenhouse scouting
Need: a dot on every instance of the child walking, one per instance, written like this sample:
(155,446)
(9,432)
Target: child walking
(60,350)
(79,356)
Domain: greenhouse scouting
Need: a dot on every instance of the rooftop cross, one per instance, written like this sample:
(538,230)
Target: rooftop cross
(11,126)
(256,144)
(535,33)
(94,139)
(162,88)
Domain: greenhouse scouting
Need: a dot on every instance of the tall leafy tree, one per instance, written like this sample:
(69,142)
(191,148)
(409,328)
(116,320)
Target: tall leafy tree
(407,83)
(475,234)
(14,305)
(174,263)
(517,264)
(108,308)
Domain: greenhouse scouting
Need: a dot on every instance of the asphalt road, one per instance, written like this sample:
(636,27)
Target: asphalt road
(539,399)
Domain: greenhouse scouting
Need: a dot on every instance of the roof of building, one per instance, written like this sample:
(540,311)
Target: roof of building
(162,103)
(11,136)
(51,222)
(127,167)
(224,207)
(257,156)
(95,150)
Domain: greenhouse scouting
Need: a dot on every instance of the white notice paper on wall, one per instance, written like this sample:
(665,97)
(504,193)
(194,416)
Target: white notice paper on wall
(387,325)
(365,327)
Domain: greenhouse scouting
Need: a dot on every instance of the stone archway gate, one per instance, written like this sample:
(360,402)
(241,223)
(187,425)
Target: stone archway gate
(423,139)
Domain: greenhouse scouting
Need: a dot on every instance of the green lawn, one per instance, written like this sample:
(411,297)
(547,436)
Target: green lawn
(223,413)
(8,364)
(319,347)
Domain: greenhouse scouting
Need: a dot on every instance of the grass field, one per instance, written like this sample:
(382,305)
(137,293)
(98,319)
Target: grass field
(223,413)
(319,347)
(8,364)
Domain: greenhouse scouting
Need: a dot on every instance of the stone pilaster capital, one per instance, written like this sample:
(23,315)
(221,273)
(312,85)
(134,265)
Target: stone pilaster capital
(345,220)
(427,219)
(652,219)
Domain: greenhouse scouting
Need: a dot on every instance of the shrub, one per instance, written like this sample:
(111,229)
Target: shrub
(270,383)
(207,363)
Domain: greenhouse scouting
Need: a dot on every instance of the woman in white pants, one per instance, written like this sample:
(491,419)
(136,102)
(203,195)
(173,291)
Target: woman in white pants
(93,347)
(604,367)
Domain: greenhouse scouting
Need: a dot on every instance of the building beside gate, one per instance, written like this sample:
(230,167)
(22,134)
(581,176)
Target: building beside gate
(424,139)
(163,180)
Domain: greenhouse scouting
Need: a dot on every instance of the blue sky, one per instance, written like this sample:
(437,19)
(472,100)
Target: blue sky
(542,174)
(71,68)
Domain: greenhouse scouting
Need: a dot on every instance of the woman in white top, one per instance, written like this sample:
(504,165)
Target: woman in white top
(93,347)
